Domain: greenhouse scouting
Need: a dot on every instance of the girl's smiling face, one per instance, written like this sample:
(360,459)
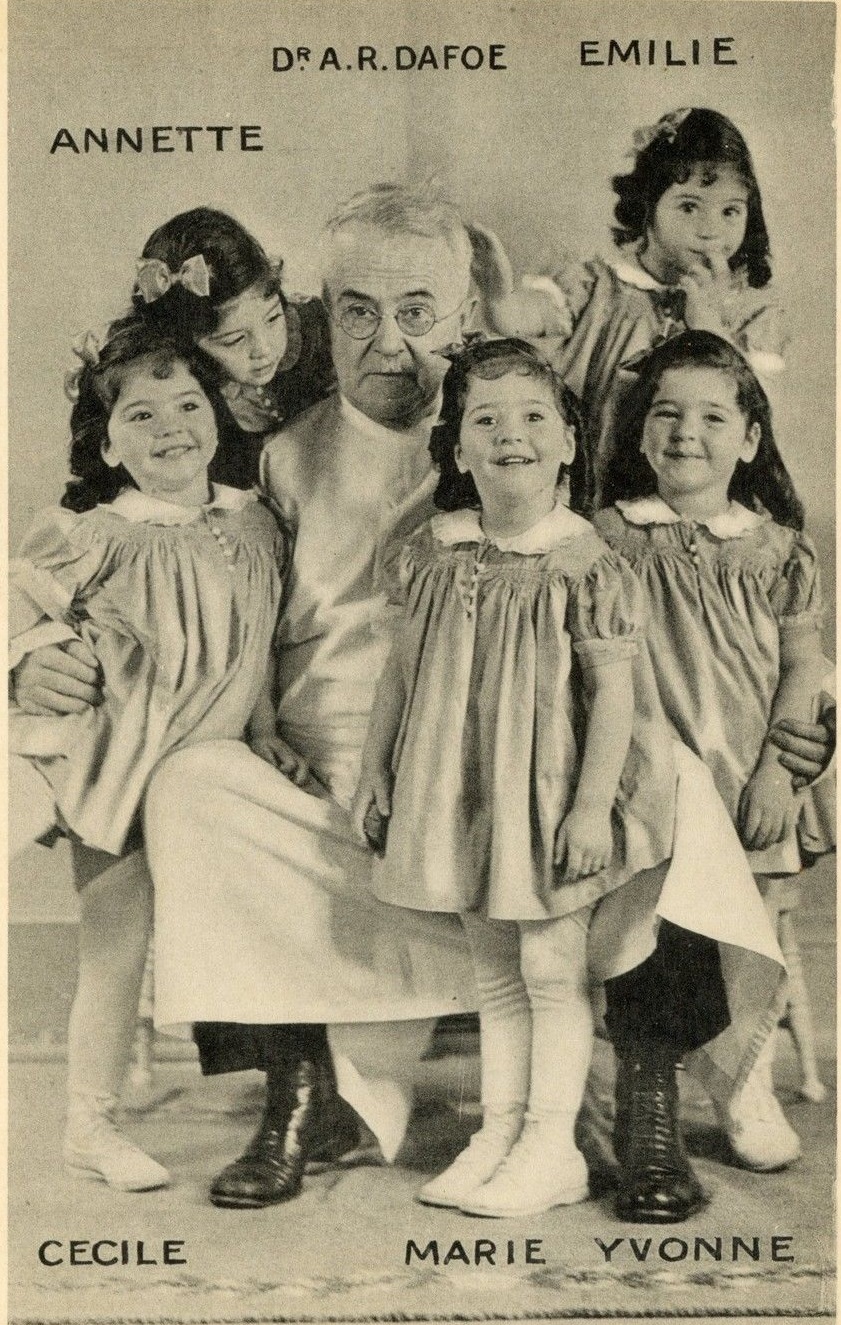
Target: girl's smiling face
(251,337)
(162,430)
(695,434)
(706,215)
(513,441)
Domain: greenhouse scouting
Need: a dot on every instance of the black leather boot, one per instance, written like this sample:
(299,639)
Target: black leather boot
(335,1126)
(305,1121)
(272,1168)
(657,1184)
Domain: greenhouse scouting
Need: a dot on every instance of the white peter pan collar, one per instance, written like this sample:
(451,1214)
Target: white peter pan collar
(732,523)
(139,508)
(551,530)
(634,274)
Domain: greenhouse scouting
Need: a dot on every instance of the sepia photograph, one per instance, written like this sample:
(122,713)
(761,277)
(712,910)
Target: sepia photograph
(421,513)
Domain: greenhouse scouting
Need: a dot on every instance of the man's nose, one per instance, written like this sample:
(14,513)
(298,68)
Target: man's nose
(388,338)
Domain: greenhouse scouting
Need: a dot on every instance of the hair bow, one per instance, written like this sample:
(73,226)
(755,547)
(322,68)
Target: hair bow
(458,348)
(154,277)
(87,347)
(666,127)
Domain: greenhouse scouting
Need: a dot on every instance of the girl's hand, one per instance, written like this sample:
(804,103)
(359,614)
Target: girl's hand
(584,844)
(707,284)
(371,808)
(767,811)
(271,747)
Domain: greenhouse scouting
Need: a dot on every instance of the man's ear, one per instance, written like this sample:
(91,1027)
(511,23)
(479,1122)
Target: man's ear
(457,456)
(470,318)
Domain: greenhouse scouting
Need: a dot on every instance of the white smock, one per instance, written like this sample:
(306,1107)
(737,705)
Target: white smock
(263,910)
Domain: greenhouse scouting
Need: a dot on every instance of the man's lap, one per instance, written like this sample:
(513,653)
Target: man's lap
(264,911)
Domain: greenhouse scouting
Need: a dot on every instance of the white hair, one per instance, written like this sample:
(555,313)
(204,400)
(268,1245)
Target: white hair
(401,209)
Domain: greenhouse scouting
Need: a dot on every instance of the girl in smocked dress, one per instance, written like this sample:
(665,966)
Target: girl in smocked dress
(205,280)
(707,515)
(518,762)
(175,585)
(693,252)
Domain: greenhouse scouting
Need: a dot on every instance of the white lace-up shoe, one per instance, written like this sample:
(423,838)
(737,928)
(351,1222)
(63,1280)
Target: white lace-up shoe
(541,1172)
(760,1135)
(95,1148)
(488,1148)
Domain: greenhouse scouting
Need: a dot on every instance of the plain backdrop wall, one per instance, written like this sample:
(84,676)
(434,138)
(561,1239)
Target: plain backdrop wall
(528,151)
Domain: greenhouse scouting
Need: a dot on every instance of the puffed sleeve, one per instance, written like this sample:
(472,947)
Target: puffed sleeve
(796,597)
(758,328)
(59,561)
(605,612)
(400,566)
(399,525)
(279,532)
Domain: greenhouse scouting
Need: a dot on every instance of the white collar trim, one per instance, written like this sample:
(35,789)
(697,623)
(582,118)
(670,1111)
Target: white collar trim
(139,508)
(632,273)
(732,523)
(549,532)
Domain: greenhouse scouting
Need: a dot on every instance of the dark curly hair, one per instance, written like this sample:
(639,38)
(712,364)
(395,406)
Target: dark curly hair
(763,484)
(702,139)
(491,359)
(130,341)
(235,262)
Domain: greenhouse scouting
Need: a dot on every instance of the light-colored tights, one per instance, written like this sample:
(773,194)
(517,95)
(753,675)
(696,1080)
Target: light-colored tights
(534,1011)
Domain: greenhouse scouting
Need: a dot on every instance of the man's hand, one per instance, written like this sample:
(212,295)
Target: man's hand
(806,747)
(271,747)
(58,679)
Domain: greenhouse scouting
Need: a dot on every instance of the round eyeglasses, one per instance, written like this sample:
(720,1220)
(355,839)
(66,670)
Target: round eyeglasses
(361,321)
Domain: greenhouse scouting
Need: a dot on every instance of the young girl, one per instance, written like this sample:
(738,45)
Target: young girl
(517,755)
(205,280)
(707,516)
(175,584)
(693,252)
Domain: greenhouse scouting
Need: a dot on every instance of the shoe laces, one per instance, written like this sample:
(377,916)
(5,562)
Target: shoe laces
(756,1102)
(652,1121)
(491,1136)
(102,1132)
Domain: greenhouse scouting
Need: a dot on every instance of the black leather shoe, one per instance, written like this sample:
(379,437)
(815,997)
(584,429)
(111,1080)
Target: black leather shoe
(657,1184)
(335,1125)
(272,1168)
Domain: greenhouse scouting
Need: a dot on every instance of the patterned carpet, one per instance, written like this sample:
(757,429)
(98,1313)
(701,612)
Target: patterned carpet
(339,1252)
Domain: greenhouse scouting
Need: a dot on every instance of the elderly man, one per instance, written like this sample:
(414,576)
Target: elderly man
(263,910)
